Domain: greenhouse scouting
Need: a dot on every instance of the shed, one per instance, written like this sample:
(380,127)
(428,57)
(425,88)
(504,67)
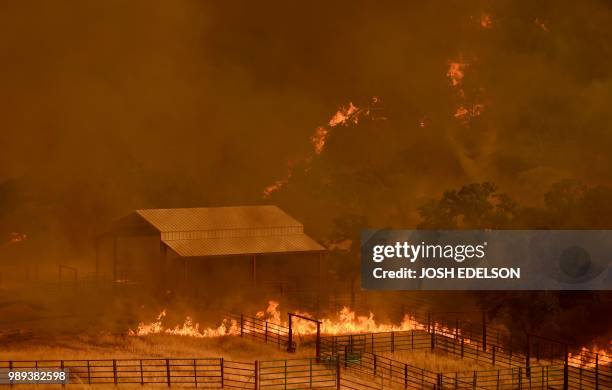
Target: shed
(193,234)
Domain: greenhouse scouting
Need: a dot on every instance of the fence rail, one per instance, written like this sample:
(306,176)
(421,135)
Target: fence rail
(206,372)
(586,372)
(261,330)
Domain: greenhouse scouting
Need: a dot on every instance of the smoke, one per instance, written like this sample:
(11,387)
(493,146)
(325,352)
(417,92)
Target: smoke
(110,106)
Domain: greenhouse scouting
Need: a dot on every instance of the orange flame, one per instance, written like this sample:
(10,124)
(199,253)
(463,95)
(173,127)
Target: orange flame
(345,322)
(540,23)
(227,328)
(466,113)
(590,357)
(345,116)
(485,20)
(456,72)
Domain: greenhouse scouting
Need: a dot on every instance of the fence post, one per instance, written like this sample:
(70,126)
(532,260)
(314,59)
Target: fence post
(115,371)
(11,368)
(597,371)
(439,380)
(474,379)
(62,368)
(345,356)
(566,370)
(497,387)
(318,343)
(222,372)
(141,374)
(433,339)
(266,333)
(168,371)
(195,373)
(374,364)
(462,346)
(310,373)
(493,354)
(337,372)
(484,331)
(256,376)
(392,341)
(405,376)
(412,340)
(520,378)
(528,355)
(428,322)
(88,374)
(241,324)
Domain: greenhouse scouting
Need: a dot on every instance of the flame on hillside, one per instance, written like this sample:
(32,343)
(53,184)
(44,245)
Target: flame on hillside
(456,72)
(346,115)
(485,20)
(541,24)
(14,238)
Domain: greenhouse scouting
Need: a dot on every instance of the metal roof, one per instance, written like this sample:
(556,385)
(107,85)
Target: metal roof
(244,245)
(217,218)
(225,231)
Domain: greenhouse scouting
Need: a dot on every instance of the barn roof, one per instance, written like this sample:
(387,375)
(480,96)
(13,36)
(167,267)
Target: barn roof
(222,231)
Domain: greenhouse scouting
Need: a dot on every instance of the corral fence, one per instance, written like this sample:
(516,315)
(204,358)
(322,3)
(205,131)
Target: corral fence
(347,370)
(197,372)
(420,340)
(193,372)
(581,371)
(261,330)
(365,371)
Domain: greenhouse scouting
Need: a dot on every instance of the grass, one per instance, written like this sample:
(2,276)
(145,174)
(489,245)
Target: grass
(435,361)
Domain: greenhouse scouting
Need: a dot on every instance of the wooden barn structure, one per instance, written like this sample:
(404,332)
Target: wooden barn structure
(200,247)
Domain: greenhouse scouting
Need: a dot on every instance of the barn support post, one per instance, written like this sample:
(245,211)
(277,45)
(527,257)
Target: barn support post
(161,276)
(254,270)
(114,260)
(97,253)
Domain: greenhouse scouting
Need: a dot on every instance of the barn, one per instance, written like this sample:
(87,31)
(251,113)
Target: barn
(204,249)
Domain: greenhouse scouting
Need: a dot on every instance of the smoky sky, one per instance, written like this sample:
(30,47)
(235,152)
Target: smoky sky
(108,106)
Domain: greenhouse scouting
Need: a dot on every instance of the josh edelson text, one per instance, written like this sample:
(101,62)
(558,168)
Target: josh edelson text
(431,261)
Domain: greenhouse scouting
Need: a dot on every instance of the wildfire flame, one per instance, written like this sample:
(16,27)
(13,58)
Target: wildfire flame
(227,328)
(456,72)
(540,23)
(14,238)
(485,20)
(466,113)
(346,321)
(344,116)
(590,357)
